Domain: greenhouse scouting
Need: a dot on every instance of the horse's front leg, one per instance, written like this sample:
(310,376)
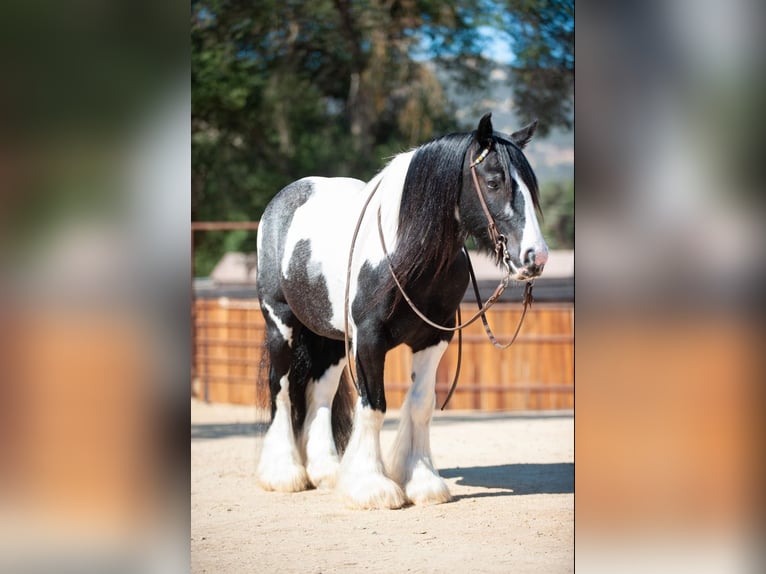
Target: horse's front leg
(411,463)
(362,480)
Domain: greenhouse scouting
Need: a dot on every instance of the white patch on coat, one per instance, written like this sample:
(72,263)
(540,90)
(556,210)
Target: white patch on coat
(321,455)
(532,236)
(328,220)
(362,481)
(259,240)
(411,463)
(284,330)
(280,466)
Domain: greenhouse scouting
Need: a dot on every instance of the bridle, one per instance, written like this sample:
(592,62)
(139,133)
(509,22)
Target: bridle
(502,256)
(498,239)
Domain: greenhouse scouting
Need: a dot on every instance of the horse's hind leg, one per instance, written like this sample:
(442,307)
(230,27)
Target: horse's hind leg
(410,463)
(280,466)
(328,360)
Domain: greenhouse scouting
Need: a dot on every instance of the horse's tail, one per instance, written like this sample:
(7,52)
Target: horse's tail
(263,399)
(343,412)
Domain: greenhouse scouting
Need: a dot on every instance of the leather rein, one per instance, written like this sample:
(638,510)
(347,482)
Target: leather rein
(501,253)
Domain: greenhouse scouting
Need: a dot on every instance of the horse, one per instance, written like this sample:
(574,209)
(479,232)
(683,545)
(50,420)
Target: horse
(336,257)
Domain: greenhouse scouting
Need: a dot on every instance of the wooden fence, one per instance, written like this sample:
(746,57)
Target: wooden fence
(536,373)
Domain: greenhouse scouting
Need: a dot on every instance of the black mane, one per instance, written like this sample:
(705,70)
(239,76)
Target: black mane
(429,234)
(428,231)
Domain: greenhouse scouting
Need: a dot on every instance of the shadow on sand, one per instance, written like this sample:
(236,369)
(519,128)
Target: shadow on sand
(515,479)
(213,431)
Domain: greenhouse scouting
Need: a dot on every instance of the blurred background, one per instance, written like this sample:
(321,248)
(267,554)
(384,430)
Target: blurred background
(670,269)
(335,88)
(107,147)
(94,286)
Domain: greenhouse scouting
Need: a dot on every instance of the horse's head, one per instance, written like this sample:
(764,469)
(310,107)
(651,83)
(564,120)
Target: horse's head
(508,187)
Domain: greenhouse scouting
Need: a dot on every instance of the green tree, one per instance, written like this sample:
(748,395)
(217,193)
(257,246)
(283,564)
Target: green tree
(288,88)
(541,34)
(557,203)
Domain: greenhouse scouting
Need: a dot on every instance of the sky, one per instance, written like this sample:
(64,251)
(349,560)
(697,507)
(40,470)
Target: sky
(498,47)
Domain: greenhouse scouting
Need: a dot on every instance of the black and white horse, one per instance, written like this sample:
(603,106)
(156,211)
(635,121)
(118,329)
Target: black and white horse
(428,204)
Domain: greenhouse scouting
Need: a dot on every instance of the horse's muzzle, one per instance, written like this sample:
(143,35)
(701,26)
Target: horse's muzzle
(534,261)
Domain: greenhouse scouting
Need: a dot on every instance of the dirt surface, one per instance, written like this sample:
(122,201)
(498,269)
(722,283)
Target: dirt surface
(511,476)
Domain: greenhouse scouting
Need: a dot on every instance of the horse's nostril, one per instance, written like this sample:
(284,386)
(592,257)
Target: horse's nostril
(529,257)
(541,257)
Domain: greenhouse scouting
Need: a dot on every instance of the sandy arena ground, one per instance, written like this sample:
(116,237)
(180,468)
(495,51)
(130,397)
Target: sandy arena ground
(511,476)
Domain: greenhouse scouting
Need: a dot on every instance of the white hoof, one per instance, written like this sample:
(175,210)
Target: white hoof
(282,476)
(323,473)
(427,487)
(371,491)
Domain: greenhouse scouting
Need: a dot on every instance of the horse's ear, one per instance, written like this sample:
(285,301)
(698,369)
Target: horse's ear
(521,138)
(484,132)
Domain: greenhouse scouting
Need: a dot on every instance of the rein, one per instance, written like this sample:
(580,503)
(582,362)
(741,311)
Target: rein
(481,313)
(501,254)
(348,284)
(482,308)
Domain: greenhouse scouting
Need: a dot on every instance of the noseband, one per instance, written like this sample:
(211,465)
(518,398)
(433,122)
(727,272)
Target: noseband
(501,253)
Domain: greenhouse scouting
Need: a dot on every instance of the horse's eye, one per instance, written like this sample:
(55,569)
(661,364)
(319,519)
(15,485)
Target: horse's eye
(493,183)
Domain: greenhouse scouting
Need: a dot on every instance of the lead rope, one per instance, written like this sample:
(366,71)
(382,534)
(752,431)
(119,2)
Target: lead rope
(480,313)
(482,308)
(527,300)
(453,386)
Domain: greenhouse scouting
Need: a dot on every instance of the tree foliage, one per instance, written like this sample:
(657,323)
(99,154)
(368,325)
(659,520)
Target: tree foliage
(542,36)
(282,89)
(557,203)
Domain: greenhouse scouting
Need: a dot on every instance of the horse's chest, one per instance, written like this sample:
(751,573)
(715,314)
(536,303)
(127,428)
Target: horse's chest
(438,300)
